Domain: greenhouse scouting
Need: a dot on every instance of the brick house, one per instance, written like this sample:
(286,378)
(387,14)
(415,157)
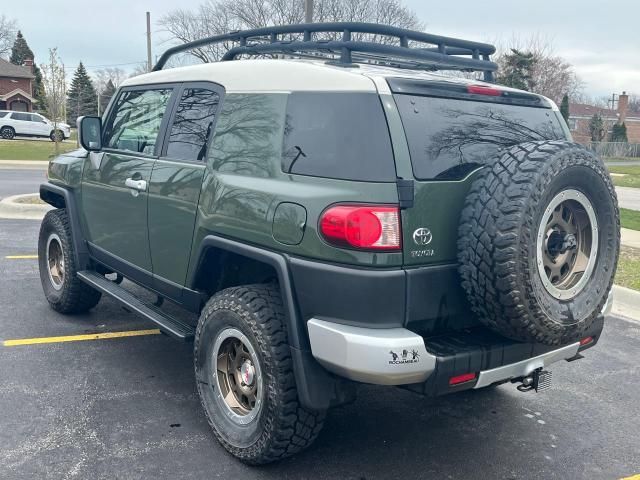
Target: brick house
(580,115)
(16,86)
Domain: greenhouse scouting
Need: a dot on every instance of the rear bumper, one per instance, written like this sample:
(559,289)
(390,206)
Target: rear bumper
(397,356)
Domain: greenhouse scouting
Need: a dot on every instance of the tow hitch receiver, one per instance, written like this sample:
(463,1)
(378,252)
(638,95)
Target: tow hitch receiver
(538,380)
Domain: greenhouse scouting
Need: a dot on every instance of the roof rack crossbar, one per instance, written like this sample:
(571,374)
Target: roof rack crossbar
(440,52)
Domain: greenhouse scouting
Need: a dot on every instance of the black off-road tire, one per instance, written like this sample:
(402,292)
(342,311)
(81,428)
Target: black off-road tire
(73,296)
(497,241)
(7,133)
(282,427)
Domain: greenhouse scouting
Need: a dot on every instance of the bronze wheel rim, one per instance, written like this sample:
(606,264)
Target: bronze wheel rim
(55,261)
(238,376)
(567,244)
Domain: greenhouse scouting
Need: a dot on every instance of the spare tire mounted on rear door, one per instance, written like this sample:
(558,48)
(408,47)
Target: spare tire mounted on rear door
(538,242)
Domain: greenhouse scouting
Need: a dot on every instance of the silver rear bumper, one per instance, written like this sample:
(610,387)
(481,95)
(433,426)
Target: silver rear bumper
(397,356)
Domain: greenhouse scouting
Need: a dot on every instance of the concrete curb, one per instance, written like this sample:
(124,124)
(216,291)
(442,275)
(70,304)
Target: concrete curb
(630,238)
(12,209)
(626,303)
(25,164)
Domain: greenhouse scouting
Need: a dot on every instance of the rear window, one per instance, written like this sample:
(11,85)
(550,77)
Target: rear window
(337,135)
(449,138)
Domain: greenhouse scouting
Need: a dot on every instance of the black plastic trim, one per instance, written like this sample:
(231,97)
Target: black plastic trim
(50,194)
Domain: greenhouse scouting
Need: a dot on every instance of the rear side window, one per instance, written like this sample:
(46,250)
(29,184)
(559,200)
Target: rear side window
(449,138)
(25,117)
(135,120)
(337,135)
(192,124)
(3,114)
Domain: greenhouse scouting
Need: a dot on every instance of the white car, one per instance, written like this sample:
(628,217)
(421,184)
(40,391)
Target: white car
(30,125)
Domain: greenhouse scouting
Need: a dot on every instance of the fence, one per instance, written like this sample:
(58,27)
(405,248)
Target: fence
(615,149)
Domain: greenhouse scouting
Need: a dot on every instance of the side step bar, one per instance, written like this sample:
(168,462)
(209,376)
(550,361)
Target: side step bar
(171,326)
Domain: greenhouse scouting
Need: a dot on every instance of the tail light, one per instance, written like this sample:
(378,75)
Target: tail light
(367,227)
(586,341)
(484,90)
(457,380)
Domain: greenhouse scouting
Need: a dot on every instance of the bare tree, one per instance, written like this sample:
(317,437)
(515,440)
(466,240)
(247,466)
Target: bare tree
(139,69)
(215,17)
(54,83)
(8,30)
(551,75)
(102,76)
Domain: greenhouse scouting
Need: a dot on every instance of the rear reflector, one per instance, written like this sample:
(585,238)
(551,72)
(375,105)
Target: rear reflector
(367,227)
(484,90)
(586,341)
(457,380)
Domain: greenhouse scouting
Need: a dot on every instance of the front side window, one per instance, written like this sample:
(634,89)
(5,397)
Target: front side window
(192,124)
(135,121)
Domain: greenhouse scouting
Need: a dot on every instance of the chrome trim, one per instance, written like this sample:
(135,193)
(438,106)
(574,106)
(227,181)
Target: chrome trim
(364,354)
(525,367)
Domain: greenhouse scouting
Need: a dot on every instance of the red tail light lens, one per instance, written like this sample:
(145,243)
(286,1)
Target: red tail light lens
(467,377)
(484,90)
(586,341)
(366,227)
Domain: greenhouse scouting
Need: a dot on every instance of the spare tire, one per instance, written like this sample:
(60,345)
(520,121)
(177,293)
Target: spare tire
(538,242)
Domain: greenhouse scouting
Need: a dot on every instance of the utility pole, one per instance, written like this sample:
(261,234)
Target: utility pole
(308,11)
(149,65)
(612,102)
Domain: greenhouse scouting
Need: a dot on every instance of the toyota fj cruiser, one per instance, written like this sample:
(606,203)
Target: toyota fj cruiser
(335,213)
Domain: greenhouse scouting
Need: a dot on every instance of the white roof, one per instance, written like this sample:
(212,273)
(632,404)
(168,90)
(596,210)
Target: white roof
(275,75)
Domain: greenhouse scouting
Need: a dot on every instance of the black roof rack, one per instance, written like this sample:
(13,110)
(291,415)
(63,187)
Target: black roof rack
(416,50)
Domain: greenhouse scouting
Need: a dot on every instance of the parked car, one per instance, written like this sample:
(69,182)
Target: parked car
(350,218)
(27,124)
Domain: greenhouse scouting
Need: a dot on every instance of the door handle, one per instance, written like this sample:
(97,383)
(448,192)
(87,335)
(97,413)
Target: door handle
(139,185)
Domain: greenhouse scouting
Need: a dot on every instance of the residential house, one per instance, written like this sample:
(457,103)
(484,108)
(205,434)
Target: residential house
(580,115)
(16,86)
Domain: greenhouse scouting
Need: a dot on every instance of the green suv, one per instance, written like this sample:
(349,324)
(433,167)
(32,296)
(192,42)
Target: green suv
(338,211)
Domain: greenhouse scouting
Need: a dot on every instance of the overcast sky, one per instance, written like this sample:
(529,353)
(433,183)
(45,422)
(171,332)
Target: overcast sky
(599,37)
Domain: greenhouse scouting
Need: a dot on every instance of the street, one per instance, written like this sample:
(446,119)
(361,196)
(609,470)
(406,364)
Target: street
(128,408)
(15,181)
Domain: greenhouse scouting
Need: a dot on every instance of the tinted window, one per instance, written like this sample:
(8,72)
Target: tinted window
(25,117)
(337,135)
(192,124)
(449,138)
(135,120)
(3,114)
(248,135)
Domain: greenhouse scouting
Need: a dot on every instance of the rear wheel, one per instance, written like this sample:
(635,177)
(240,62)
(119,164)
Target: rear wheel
(7,133)
(245,376)
(64,291)
(538,242)
(56,136)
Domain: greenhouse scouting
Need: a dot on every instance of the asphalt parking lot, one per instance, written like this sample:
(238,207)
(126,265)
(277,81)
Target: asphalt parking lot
(126,408)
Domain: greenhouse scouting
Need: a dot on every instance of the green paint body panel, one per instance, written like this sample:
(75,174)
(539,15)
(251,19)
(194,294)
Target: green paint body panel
(112,217)
(174,191)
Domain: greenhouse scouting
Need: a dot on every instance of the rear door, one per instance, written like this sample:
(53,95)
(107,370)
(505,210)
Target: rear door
(176,181)
(21,122)
(449,140)
(115,195)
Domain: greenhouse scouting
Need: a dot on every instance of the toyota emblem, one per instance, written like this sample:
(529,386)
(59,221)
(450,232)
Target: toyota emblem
(422,236)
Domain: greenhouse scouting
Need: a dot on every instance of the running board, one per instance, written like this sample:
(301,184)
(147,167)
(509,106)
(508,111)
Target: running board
(170,326)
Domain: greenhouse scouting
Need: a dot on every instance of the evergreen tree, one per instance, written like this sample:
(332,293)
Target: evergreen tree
(564,107)
(596,128)
(619,133)
(21,52)
(82,98)
(516,70)
(106,94)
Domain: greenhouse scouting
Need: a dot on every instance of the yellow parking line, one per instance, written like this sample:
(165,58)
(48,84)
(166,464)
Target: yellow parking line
(21,257)
(632,477)
(77,338)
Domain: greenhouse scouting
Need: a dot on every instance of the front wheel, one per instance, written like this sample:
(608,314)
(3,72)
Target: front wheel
(57,136)
(245,377)
(64,291)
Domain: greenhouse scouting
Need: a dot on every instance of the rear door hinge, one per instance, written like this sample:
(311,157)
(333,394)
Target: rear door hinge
(405,193)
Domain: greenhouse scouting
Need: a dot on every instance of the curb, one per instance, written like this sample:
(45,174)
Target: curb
(626,303)
(12,209)
(25,164)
